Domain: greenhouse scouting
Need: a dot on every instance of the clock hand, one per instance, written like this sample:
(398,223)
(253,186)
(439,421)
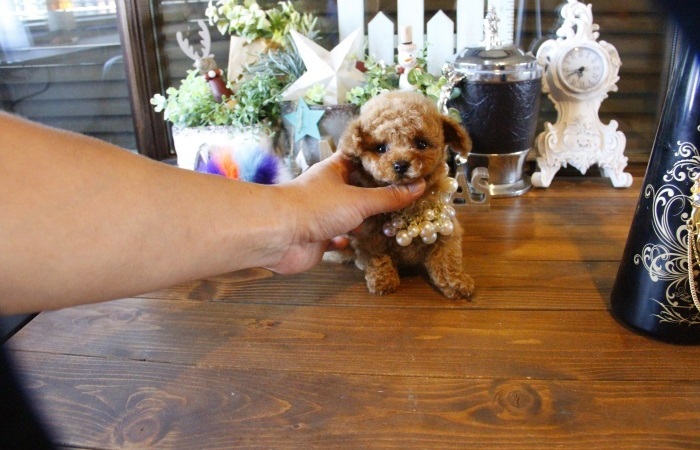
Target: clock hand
(578,72)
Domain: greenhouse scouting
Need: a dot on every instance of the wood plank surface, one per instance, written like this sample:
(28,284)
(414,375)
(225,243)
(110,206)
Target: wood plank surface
(254,359)
(500,285)
(132,404)
(457,342)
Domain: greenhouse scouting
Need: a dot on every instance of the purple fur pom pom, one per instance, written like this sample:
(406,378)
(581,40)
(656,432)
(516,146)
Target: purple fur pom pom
(267,170)
(246,163)
(209,167)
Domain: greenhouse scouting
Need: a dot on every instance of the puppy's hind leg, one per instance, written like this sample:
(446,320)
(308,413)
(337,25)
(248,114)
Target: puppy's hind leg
(381,275)
(444,265)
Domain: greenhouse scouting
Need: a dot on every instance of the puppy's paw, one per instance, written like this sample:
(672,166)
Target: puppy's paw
(345,256)
(459,288)
(382,285)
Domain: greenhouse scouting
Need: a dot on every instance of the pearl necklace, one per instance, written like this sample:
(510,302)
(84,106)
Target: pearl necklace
(425,219)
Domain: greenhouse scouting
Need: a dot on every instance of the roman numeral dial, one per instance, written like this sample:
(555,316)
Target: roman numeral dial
(582,69)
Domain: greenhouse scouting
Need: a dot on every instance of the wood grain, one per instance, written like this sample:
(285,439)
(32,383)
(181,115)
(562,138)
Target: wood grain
(464,342)
(500,285)
(102,403)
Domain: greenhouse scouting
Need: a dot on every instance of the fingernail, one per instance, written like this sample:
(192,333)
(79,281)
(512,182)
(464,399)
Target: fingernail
(416,187)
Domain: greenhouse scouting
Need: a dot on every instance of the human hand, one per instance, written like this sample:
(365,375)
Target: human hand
(324,206)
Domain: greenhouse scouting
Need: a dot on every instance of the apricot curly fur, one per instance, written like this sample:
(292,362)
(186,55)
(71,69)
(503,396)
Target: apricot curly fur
(396,128)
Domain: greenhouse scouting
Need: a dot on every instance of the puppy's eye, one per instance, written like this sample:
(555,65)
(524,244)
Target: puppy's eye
(382,148)
(421,144)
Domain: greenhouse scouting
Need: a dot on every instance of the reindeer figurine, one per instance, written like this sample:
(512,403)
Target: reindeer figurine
(205,63)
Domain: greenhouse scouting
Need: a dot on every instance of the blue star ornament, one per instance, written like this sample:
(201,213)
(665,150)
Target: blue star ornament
(305,121)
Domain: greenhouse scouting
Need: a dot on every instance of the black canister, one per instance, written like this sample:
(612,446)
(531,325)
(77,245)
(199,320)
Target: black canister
(499,102)
(652,291)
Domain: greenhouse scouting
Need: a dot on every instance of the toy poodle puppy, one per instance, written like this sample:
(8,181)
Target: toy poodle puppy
(399,138)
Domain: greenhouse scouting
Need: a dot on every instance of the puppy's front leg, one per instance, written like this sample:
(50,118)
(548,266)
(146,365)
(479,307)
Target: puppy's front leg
(444,265)
(381,275)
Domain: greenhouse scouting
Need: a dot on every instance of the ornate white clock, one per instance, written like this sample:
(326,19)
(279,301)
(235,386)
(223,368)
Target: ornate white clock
(579,73)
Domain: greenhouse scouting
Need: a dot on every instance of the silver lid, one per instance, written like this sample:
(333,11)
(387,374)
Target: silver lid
(495,65)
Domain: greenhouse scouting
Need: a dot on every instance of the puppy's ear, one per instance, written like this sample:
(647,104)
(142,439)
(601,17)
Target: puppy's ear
(351,141)
(456,136)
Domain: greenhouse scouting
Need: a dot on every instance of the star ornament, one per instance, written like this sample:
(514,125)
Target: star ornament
(305,121)
(334,70)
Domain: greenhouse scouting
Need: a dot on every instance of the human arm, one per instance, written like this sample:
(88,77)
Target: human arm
(84,221)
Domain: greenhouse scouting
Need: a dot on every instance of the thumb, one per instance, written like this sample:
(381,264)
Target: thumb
(391,198)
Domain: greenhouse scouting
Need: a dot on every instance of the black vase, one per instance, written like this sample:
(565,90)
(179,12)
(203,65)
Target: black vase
(651,293)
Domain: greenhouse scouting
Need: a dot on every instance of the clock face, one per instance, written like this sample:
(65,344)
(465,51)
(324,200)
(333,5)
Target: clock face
(582,69)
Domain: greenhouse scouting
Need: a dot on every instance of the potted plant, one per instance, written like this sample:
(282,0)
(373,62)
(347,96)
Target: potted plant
(252,104)
(378,77)
(254,31)
(255,103)
(198,118)
(382,77)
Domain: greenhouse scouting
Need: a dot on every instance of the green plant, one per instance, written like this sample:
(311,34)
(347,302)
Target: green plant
(381,77)
(314,95)
(285,18)
(282,63)
(247,20)
(427,83)
(192,104)
(257,101)
(254,104)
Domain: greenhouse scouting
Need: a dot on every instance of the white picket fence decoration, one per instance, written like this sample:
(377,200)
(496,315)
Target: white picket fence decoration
(442,42)
(412,13)
(381,46)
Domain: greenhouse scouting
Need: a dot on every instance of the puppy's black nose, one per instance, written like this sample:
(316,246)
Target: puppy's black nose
(400,167)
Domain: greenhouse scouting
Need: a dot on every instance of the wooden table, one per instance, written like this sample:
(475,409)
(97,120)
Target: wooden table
(258,360)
